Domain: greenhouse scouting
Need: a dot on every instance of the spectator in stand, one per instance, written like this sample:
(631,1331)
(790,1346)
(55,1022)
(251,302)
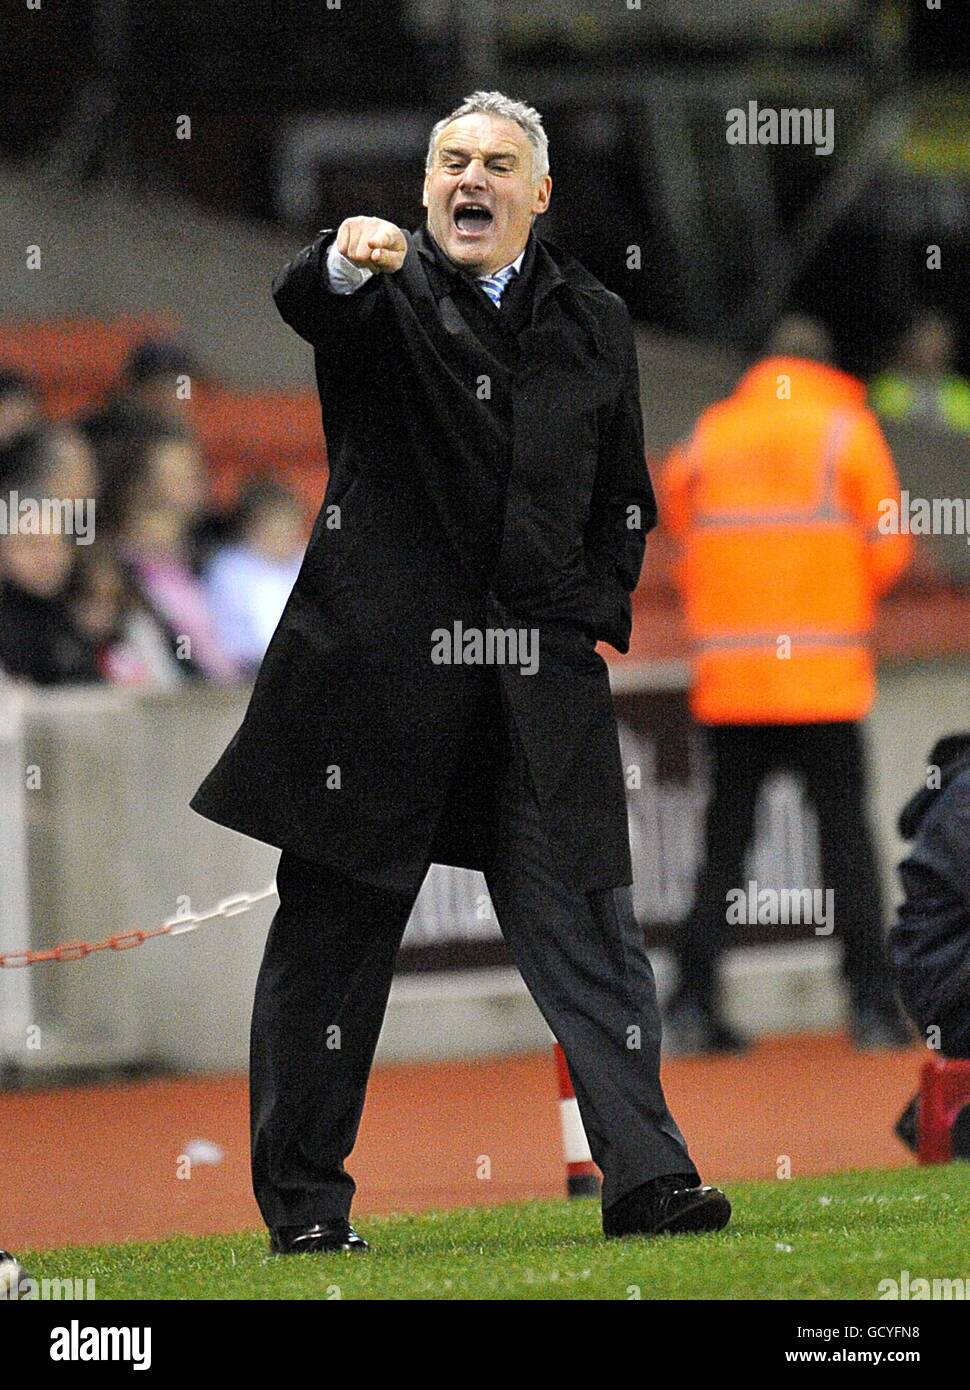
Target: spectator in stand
(149,509)
(74,466)
(156,382)
(131,647)
(923,386)
(250,577)
(149,397)
(152,395)
(39,638)
(104,610)
(19,404)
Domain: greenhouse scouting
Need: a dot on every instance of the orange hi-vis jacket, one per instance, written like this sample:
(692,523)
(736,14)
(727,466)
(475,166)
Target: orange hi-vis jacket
(776,498)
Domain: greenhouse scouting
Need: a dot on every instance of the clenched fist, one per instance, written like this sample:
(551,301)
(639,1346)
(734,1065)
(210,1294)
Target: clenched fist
(372,242)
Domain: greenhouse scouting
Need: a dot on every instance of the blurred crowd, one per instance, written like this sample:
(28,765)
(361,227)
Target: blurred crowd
(114,566)
(155,587)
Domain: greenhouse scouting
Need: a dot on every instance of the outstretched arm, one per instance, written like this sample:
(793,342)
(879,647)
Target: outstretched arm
(320,309)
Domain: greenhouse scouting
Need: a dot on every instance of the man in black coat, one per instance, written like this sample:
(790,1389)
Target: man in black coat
(433,692)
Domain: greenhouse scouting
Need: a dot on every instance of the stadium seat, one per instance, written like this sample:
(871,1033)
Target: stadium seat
(75,361)
(276,432)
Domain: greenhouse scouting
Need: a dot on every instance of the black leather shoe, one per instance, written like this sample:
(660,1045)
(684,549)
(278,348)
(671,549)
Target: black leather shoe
(323,1238)
(673,1204)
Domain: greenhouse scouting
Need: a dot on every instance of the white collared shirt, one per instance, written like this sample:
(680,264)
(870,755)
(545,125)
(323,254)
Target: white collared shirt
(345,277)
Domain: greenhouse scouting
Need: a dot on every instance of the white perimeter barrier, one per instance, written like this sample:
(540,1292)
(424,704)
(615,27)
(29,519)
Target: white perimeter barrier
(97,837)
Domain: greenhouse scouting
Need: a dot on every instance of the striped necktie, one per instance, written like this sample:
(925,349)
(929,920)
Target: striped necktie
(493,285)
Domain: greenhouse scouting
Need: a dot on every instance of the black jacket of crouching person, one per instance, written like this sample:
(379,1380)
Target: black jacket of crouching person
(929,945)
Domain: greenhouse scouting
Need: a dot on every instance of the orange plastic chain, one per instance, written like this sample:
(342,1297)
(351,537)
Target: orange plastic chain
(124,941)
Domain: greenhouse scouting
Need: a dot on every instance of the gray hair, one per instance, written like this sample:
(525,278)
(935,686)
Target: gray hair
(496,104)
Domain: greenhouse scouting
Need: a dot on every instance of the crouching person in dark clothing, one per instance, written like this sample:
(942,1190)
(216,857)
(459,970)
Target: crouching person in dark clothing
(929,945)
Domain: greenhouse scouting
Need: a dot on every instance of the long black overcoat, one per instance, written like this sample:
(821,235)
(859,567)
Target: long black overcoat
(463,490)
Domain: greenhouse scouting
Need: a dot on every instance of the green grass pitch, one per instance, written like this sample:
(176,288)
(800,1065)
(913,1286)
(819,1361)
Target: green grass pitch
(818,1238)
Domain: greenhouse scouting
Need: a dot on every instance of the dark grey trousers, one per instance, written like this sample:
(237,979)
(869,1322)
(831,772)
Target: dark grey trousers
(831,758)
(322,992)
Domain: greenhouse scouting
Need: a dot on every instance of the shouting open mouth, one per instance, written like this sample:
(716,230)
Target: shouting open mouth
(472,220)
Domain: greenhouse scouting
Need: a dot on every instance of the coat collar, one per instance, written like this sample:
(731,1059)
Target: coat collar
(537,261)
(550,268)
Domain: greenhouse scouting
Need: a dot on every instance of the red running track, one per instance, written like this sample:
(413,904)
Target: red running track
(98,1164)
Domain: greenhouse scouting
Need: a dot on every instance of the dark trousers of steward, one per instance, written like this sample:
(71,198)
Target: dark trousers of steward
(830,759)
(329,960)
